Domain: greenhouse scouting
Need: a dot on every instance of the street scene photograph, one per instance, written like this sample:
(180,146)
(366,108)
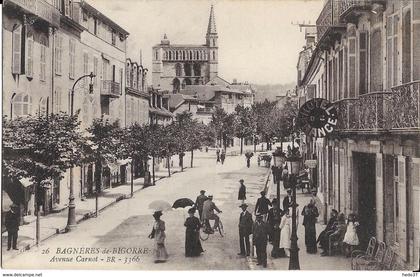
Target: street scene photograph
(183,135)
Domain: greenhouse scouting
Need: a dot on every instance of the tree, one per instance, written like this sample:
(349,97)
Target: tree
(41,148)
(105,140)
(285,125)
(154,144)
(224,125)
(263,114)
(246,123)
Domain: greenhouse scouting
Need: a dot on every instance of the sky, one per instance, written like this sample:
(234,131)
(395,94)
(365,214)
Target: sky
(257,41)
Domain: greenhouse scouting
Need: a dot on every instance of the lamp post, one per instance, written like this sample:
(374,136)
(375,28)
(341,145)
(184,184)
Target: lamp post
(293,161)
(71,220)
(278,158)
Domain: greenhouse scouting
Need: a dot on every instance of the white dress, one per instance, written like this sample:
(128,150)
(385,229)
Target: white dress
(286,231)
(351,236)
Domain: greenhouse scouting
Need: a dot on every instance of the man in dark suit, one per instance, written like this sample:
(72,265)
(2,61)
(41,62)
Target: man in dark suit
(287,200)
(11,222)
(259,239)
(262,206)
(242,191)
(245,229)
(199,202)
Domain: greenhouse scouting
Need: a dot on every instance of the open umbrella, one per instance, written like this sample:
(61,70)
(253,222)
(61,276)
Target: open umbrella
(182,203)
(160,205)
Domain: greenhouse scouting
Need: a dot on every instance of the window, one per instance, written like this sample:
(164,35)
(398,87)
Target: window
(30,56)
(352,67)
(392,50)
(43,106)
(363,63)
(121,80)
(95,26)
(43,59)
(67,7)
(128,73)
(157,55)
(113,37)
(128,112)
(57,100)
(214,55)
(58,53)
(178,70)
(396,201)
(72,55)
(17,50)
(95,71)
(85,66)
(406,47)
(21,105)
(376,60)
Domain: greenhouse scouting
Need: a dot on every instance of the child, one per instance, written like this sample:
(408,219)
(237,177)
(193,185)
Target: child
(350,238)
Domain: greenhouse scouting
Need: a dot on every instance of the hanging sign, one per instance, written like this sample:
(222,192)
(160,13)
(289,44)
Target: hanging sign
(317,117)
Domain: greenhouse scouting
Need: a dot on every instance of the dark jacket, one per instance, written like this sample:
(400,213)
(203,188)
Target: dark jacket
(200,201)
(245,223)
(260,232)
(310,213)
(262,205)
(286,202)
(274,217)
(11,221)
(242,192)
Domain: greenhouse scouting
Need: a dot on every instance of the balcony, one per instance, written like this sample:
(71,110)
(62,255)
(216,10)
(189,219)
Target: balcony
(397,111)
(328,24)
(405,102)
(110,89)
(350,9)
(39,8)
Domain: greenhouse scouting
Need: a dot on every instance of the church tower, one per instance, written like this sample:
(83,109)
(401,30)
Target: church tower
(212,45)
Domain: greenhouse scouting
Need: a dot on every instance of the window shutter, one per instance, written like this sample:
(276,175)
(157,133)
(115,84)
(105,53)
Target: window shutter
(75,12)
(376,61)
(352,67)
(42,63)
(72,55)
(363,42)
(402,202)
(67,7)
(395,51)
(17,53)
(95,70)
(379,197)
(30,57)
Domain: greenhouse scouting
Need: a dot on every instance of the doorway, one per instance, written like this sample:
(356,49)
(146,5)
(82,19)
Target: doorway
(365,165)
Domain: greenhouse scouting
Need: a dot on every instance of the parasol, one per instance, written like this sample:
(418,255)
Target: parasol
(182,203)
(160,205)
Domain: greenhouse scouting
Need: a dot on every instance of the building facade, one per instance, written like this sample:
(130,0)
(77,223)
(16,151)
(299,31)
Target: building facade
(136,94)
(176,65)
(369,59)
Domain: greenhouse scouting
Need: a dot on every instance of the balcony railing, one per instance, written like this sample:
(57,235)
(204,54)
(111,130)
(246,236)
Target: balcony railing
(405,102)
(397,111)
(328,19)
(40,8)
(347,7)
(110,89)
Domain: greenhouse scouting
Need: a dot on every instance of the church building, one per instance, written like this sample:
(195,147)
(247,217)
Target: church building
(178,65)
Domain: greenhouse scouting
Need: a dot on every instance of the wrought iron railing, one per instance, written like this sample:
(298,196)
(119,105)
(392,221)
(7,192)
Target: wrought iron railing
(405,102)
(373,110)
(346,114)
(346,6)
(110,88)
(328,18)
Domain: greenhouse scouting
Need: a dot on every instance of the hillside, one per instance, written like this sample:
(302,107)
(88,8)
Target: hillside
(271,91)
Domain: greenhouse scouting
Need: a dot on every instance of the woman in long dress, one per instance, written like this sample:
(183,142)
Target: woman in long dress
(192,237)
(158,233)
(310,214)
(286,230)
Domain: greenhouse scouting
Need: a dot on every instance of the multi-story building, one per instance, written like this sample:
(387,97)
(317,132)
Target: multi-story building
(370,55)
(178,65)
(136,94)
(159,108)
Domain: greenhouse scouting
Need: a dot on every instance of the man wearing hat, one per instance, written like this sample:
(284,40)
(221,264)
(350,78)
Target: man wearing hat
(11,222)
(199,203)
(287,200)
(245,229)
(208,213)
(262,206)
(259,239)
(242,191)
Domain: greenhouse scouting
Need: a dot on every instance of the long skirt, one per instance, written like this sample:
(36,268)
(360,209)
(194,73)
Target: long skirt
(310,238)
(160,252)
(192,244)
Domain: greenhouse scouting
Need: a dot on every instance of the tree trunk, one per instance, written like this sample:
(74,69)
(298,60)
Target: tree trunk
(98,176)
(281,144)
(169,165)
(132,177)
(192,157)
(153,169)
(255,145)
(242,145)
(38,219)
(181,161)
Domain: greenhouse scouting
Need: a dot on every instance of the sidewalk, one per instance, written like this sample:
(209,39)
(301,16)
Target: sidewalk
(55,223)
(307,261)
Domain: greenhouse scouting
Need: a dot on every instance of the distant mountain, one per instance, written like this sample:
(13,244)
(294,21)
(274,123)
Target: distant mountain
(270,92)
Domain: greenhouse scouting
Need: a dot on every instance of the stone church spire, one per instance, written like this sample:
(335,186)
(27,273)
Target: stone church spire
(211,29)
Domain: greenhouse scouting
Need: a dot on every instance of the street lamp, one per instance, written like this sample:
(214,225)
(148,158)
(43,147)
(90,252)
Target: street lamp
(71,220)
(278,158)
(293,163)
